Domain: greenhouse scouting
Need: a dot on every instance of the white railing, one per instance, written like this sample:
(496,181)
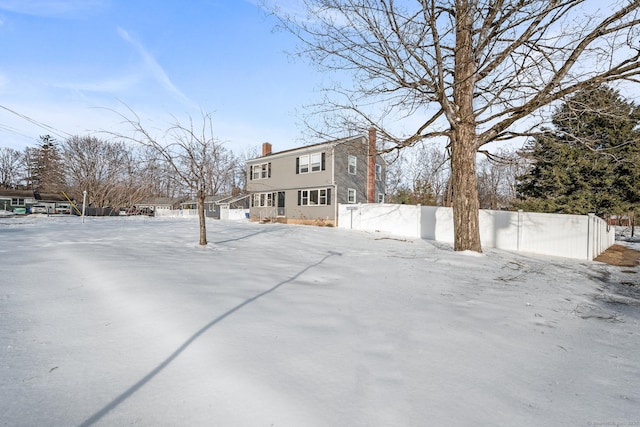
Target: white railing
(570,236)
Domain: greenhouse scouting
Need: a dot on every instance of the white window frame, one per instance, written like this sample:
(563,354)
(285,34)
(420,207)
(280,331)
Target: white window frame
(303,165)
(17,201)
(351,195)
(380,197)
(260,171)
(322,198)
(316,162)
(353,165)
(262,200)
(314,197)
(378,172)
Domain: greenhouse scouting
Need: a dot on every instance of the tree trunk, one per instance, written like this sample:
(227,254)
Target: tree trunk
(466,203)
(202,218)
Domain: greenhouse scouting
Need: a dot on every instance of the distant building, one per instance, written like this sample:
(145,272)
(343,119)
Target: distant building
(22,201)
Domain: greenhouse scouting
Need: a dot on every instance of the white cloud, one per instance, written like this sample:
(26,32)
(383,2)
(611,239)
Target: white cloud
(155,69)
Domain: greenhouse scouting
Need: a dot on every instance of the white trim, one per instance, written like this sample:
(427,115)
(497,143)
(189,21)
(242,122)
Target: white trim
(355,164)
(351,191)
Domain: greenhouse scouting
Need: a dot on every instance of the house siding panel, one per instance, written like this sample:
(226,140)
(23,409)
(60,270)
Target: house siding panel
(344,180)
(286,177)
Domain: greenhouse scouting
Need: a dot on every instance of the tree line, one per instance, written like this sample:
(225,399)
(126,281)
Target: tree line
(114,173)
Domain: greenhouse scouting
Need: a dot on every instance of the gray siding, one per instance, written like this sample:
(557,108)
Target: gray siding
(344,180)
(283,172)
(284,178)
(335,176)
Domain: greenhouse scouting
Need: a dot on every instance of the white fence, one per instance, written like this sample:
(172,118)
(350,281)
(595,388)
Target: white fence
(225,214)
(570,236)
(233,214)
(177,213)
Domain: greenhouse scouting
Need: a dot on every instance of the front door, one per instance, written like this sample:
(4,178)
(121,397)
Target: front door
(280,203)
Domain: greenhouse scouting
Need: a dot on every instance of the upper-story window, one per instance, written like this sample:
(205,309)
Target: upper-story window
(353,163)
(310,163)
(304,164)
(316,162)
(261,171)
(378,172)
(351,195)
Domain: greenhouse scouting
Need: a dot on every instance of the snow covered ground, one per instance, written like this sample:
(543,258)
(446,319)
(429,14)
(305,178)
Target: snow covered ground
(127,321)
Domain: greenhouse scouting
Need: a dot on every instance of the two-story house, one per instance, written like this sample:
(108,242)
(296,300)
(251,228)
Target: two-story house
(305,185)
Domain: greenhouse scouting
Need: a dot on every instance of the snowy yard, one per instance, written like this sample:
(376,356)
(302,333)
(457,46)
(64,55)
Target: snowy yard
(127,321)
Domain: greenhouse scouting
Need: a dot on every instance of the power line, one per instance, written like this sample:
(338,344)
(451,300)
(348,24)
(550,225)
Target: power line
(44,126)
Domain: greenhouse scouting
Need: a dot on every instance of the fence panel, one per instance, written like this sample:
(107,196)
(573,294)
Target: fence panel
(399,220)
(570,236)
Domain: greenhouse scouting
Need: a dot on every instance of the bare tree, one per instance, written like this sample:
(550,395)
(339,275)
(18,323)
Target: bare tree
(497,175)
(431,164)
(413,171)
(101,168)
(470,71)
(240,174)
(158,176)
(10,167)
(199,161)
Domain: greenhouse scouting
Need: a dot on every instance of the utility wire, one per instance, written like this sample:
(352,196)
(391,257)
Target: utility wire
(50,129)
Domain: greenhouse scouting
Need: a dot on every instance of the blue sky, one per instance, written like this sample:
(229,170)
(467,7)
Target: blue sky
(65,63)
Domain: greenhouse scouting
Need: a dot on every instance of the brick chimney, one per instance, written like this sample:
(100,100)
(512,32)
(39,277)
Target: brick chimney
(266,149)
(373,154)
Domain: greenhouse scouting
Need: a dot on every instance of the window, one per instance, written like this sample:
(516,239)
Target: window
(310,163)
(353,160)
(263,199)
(255,171)
(378,172)
(304,164)
(17,201)
(261,171)
(318,197)
(316,162)
(380,198)
(351,195)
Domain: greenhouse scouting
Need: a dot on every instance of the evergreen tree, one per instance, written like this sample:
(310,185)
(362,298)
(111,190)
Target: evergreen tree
(589,162)
(45,166)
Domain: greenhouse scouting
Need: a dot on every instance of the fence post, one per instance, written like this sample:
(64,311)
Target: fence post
(590,226)
(519,230)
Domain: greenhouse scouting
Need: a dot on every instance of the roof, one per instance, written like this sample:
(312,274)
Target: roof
(307,147)
(217,199)
(32,194)
(161,201)
(232,199)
